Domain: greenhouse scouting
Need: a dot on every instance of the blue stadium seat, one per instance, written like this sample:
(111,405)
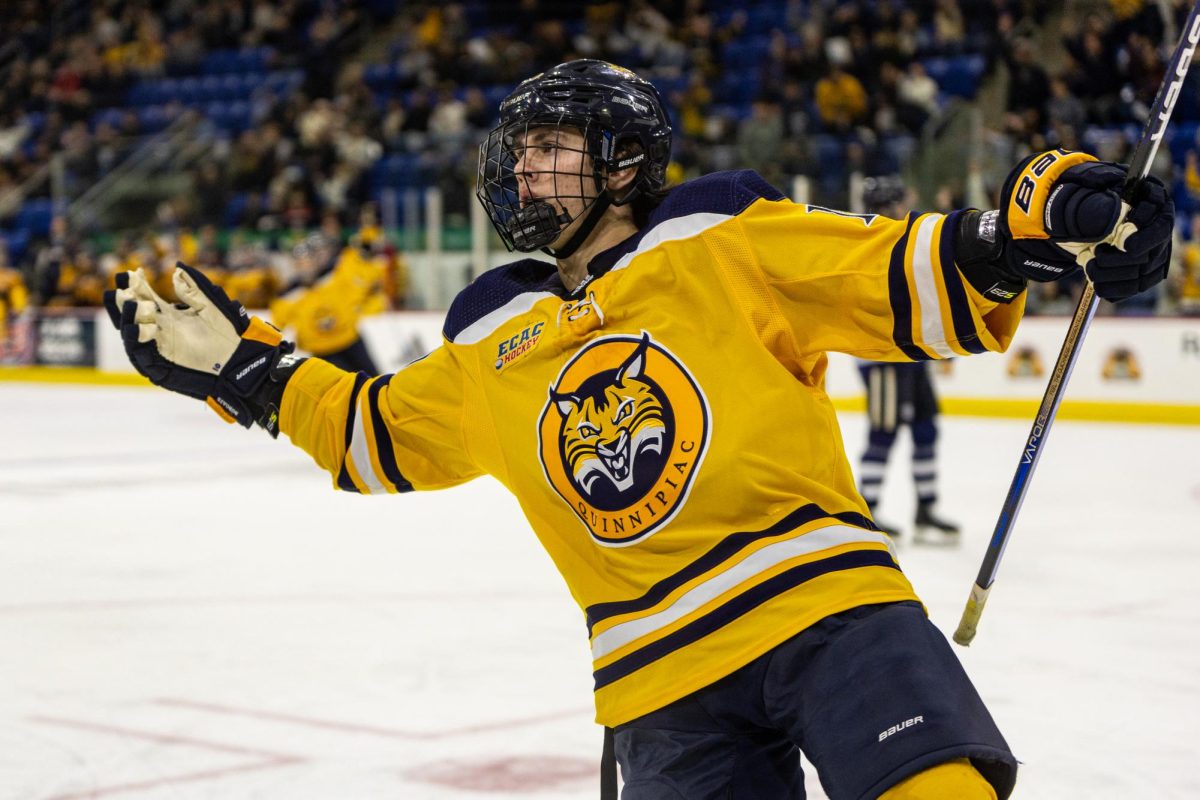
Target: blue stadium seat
(831,163)
(378,76)
(284,81)
(254,59)
(766,17)
(739,87)
(1180,139)
(109,116)
(210,89)
(1187,107)
(495,94)
(36,121)
(141,93)
(219,62)
(152,119)
(755,53)
(240,116)
(218,112)
(957,76)
(34,216)
(185,90)
(17,242)
(234,207)
(667,86)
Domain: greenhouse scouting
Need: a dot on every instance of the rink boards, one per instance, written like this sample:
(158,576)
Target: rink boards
(1129,369)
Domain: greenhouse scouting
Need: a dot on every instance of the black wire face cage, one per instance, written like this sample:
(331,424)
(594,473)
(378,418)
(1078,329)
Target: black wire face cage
(543,217)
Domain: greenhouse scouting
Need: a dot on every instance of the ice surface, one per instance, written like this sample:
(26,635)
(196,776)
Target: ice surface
(187,610)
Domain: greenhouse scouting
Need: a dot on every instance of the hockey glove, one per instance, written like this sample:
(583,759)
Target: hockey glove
(1140,258)
(1060,210)
(206,346)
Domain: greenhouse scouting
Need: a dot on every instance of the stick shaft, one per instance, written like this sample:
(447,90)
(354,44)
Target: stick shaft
(1031,453)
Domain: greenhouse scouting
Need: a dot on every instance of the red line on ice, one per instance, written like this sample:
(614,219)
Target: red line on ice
(170,780)
(373,730)
(269,760)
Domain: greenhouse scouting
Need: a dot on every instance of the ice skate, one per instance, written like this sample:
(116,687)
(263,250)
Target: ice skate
(931,529)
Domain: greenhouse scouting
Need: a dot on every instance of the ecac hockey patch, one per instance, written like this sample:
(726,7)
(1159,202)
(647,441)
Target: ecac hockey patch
(518,345)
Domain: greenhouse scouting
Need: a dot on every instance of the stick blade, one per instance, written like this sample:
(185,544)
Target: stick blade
(970,616)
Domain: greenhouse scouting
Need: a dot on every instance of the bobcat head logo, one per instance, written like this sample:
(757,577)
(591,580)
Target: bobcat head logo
(622,435)
(609,422)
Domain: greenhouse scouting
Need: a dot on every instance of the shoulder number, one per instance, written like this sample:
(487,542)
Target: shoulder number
(867,219)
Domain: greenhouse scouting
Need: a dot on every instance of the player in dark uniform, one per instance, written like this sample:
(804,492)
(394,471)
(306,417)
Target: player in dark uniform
(655,400)
(901,394)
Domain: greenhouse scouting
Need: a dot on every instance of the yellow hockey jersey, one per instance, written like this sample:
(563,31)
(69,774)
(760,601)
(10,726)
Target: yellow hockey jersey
(325,314)
(665,427)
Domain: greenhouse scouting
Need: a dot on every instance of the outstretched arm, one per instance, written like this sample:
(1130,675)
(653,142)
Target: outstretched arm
(373,435)
(935,285)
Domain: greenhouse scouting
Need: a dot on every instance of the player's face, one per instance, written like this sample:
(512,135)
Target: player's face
(552,166)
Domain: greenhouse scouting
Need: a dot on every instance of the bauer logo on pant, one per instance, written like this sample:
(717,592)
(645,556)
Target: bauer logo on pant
(622,436)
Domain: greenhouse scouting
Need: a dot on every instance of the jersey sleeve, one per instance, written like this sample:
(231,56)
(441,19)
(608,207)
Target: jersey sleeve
(874,287)
(391,433)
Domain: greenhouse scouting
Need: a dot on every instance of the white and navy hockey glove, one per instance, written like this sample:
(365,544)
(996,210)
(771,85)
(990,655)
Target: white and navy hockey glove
(206,346)
(1061,211)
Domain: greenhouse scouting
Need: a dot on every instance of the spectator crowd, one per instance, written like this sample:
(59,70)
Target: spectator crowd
(331,104)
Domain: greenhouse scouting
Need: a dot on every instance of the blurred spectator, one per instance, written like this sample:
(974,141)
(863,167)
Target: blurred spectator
(747,86)
(949,27)
(208,189)
(1092,70)
(448,120)
(1063,109)
(1187,285)
(841,100)
(80,282)
(760,140)
(918,95)
(1028,84)
(13,295)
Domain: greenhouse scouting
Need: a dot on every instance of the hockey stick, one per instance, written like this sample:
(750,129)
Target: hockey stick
(1031,453)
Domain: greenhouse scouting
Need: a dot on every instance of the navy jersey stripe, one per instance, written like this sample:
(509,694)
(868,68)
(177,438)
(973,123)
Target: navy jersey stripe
(960,310)
(343,479)
(742,604)
(729,547)
(901,300)
(383,440)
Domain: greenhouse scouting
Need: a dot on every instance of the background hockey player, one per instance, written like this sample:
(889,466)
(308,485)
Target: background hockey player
(325,301)
(901,394)
(665,429)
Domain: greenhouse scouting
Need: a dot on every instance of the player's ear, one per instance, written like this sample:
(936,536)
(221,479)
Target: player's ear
(621,180)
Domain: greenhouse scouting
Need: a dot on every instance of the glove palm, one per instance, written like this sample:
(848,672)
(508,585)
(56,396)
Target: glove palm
(206,346)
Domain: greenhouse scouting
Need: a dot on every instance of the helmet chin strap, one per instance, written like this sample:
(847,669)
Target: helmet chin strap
(591,217)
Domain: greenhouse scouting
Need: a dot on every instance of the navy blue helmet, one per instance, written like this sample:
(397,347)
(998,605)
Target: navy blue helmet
(621,119)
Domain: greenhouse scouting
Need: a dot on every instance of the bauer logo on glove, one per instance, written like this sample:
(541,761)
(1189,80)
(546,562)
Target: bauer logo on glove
(206,346)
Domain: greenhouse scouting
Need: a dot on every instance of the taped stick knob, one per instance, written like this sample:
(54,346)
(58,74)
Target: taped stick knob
(970,616)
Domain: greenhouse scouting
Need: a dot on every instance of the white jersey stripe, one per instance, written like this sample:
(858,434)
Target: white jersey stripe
(486,325)
(359,452)
(764,559)
(933,333)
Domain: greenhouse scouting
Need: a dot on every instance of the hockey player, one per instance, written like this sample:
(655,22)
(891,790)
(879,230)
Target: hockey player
(655,401)
(901,394)
(326,301)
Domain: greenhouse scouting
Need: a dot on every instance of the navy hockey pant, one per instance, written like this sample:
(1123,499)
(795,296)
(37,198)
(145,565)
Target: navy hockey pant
(872,696)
